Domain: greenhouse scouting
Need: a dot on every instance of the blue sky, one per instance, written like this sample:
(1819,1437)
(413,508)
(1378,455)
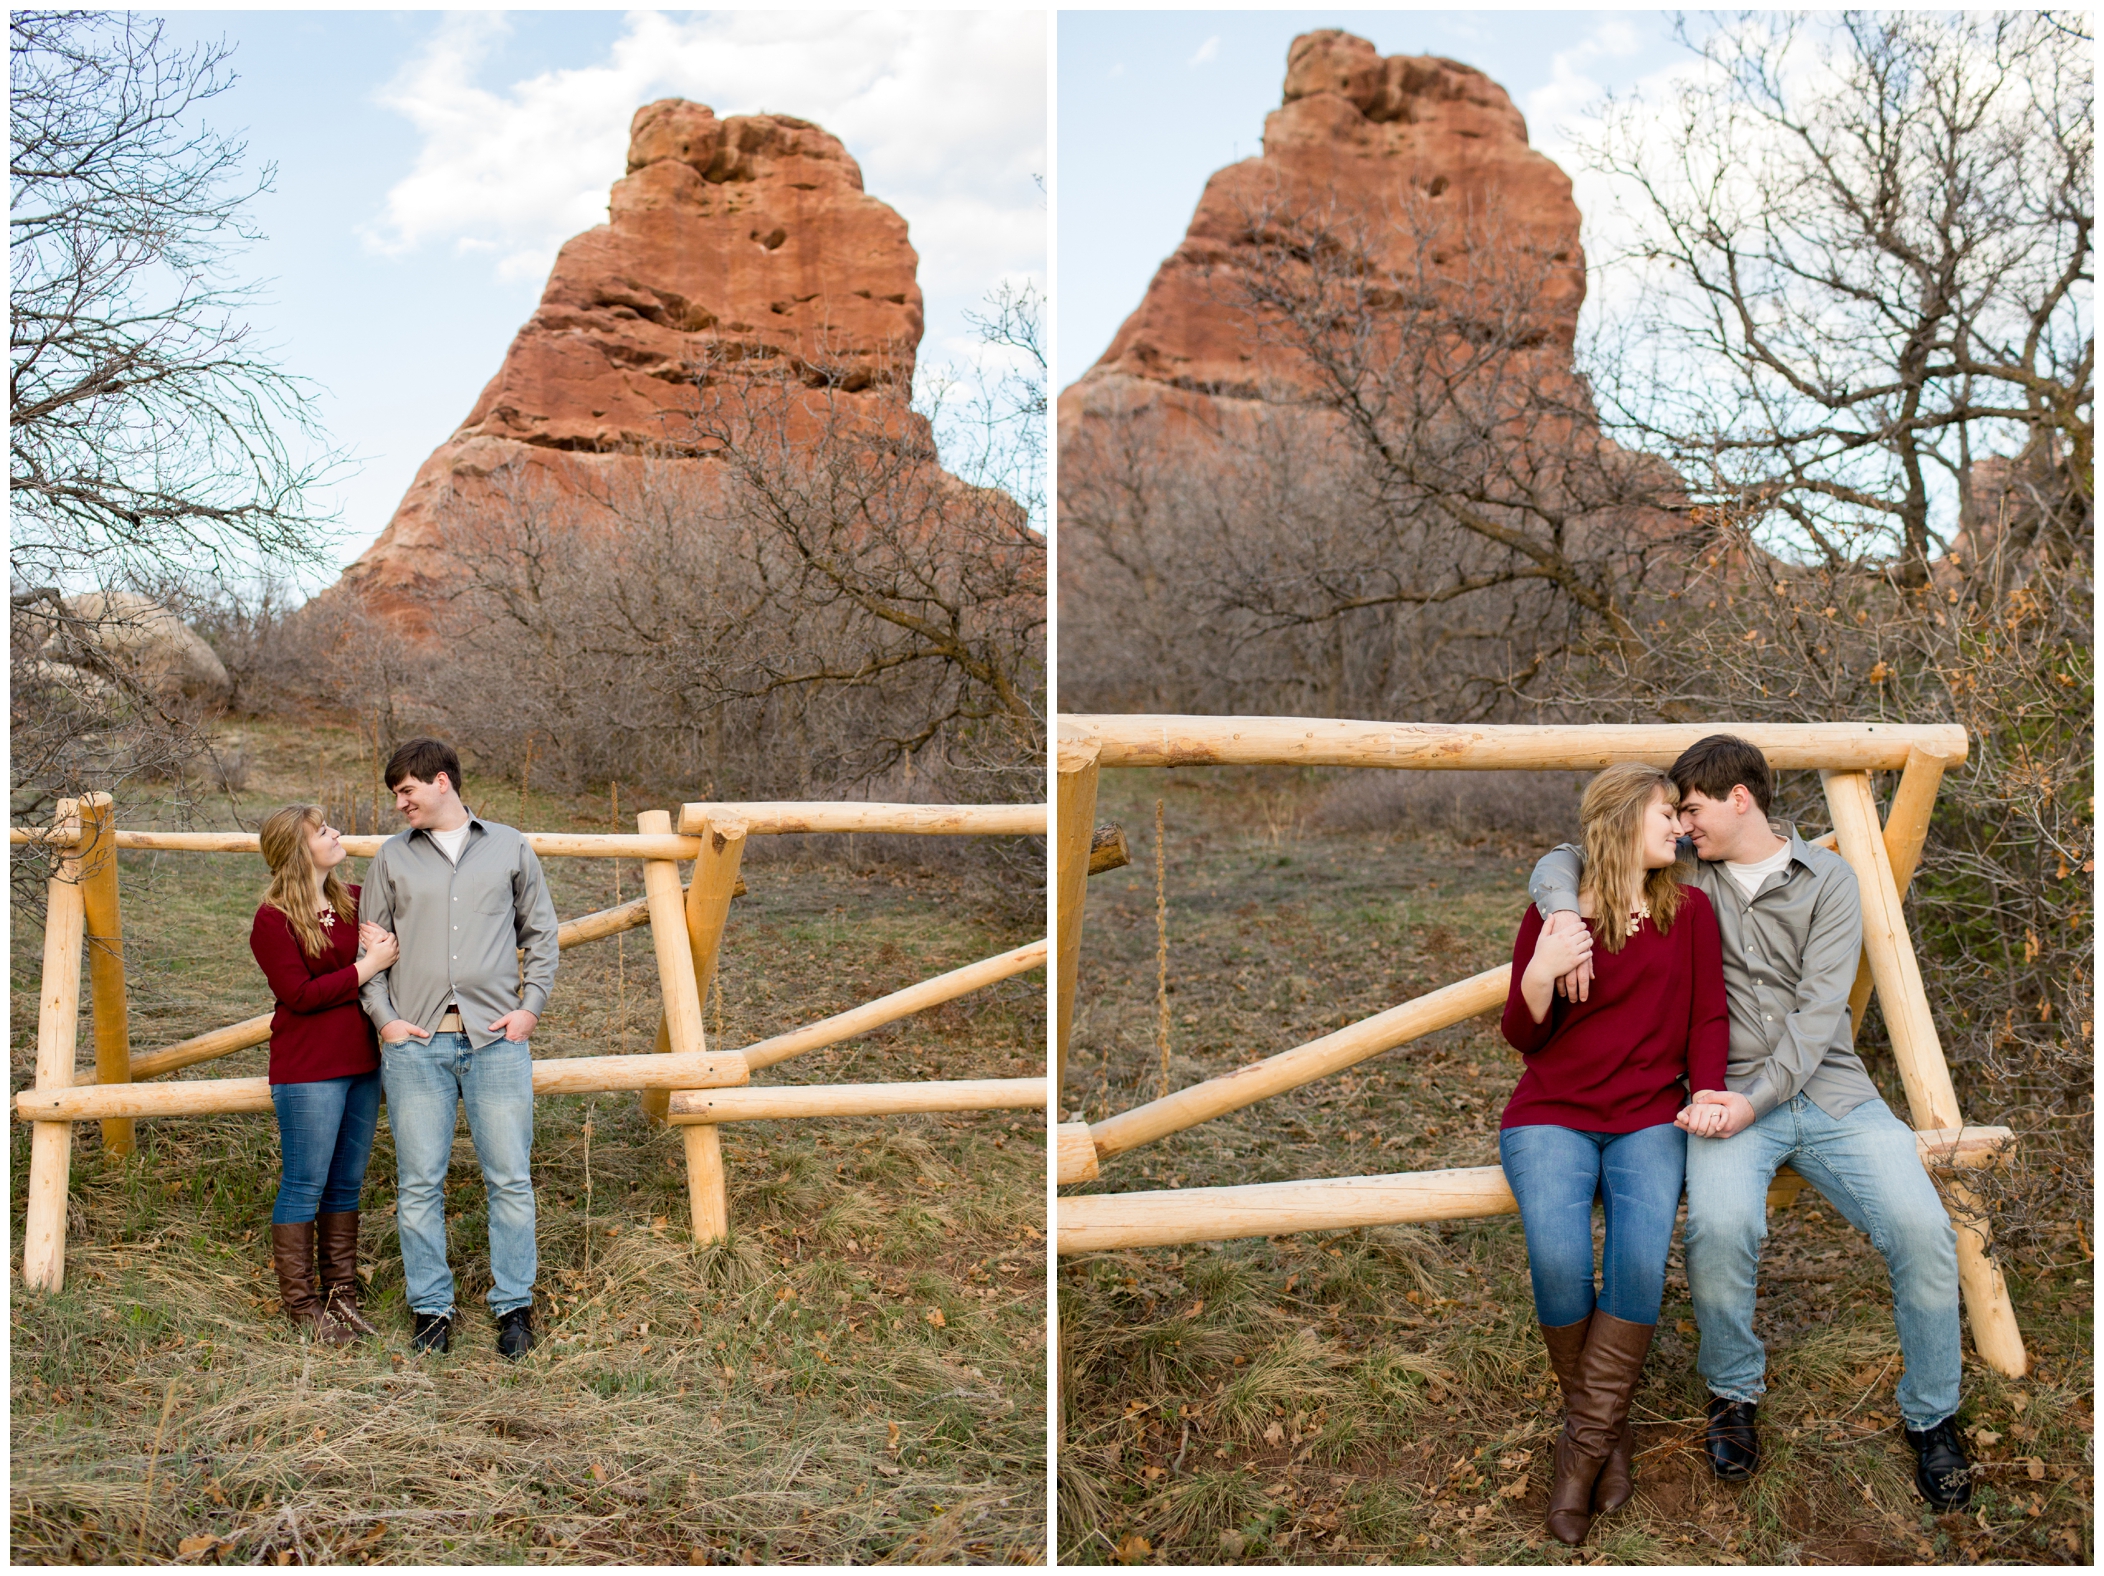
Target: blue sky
(430,164)
(1152,102)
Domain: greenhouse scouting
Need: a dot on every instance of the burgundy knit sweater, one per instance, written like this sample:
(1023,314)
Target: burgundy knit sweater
(319,1030)
(1652,1029)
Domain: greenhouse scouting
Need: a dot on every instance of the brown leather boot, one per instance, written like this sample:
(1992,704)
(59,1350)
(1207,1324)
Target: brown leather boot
(292,1254)
(1616,1483)
(1608,1371)
(336,1237)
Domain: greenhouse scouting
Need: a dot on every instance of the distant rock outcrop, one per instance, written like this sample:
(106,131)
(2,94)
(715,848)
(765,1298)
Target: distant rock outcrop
(135,635)
(1358,135)
(734,247)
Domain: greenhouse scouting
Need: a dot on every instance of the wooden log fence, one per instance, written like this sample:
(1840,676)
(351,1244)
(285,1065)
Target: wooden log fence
(678,1080)
(1884,859)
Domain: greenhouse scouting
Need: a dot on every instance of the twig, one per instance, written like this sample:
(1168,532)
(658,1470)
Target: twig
(153,1461)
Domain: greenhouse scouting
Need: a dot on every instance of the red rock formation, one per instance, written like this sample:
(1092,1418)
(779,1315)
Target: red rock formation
(745,245)
(1358,135)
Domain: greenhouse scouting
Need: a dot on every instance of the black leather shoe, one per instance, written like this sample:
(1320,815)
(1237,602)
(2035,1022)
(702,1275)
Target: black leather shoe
(1734,1445)
(434,1332)
(515,1333)
(1941,1470)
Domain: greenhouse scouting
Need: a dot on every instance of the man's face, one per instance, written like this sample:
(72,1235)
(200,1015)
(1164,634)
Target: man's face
(1715,825)
(421,804)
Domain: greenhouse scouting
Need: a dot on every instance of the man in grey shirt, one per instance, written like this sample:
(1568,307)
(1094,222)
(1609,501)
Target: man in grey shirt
(456,1015)
(1796,1093)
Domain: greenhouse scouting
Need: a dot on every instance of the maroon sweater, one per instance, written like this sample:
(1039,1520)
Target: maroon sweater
(1653,1028)
(319,1030)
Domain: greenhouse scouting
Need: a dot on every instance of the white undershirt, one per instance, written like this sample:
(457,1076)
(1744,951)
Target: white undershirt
(1751,876)
(451,843)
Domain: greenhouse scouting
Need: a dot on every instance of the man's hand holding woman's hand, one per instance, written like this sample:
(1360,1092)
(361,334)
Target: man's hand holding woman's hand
(1715,1113)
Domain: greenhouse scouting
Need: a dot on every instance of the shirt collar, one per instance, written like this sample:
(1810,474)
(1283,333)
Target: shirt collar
(472,821)
(1800,850)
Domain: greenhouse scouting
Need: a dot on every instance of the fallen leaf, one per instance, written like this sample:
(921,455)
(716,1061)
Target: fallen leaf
(1986,1435)
(1274,1435)
(935,1318)
(1134,1549)
(888,1470)
(598,1473)
(196,1545)
(2036,1469)
(1684,1326)
(892,1444)
(1195,1309)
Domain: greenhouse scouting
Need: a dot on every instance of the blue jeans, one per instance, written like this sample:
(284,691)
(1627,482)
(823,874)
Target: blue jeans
(427,1083)
(1867,1166)
(325,1135)
(1555,1173)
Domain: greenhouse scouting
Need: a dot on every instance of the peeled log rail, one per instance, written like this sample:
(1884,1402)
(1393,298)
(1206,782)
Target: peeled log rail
(1300,741)
(256,1031)
(1094,1222)
(1201,1102)
(689,1107)
(226,1096)
(1075,1155)
(899,1004)
(931,820)
(574,845)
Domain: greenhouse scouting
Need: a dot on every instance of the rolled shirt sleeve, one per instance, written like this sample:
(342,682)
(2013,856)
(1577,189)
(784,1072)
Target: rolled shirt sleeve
(1554,884)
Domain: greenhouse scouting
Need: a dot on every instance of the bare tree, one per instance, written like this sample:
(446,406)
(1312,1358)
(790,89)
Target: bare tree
(1867,244)
(153,449)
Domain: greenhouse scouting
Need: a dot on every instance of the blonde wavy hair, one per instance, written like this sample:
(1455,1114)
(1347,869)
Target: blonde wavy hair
(291,890)
(1612,813)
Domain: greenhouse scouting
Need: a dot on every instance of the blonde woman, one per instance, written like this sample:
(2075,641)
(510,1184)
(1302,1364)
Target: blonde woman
(1595,1115)
(324,1067)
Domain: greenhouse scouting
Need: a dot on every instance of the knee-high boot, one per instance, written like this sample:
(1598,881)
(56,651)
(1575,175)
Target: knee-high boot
(336,1235)
(1608,1371)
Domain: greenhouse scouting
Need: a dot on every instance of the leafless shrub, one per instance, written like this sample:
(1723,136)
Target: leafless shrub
(1537,808)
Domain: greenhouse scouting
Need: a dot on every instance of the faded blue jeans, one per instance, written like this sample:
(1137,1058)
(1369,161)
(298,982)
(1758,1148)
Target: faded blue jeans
(1555,1173)
(1867,1166)
(428,1081)
(325,1135)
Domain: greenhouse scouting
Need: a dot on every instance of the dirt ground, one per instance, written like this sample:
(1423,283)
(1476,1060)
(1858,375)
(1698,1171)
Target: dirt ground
(1382,1396)
(858,1376)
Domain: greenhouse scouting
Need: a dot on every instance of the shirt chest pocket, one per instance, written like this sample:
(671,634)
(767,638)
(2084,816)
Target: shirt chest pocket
(484,896)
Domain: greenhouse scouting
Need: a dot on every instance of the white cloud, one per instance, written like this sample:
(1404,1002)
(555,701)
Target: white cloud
(945,111)
(1207,51)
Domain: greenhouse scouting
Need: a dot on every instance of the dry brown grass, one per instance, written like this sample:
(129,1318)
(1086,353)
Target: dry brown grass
(858,1377)
(1382,1396)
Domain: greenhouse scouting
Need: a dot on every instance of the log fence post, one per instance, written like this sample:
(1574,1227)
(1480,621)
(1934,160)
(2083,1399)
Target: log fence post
(707,1197)
(1932,1101)
(1906,830)
(709,897)
(105,927)
(58,1026)
(1076,831)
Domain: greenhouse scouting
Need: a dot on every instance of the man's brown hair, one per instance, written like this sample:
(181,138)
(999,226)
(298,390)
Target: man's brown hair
(1714,766)
(424,759)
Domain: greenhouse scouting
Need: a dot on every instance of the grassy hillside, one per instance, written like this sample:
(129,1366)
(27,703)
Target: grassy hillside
(1382,1396)
(857,1377)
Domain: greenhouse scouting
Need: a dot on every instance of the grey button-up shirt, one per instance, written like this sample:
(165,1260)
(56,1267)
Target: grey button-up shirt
(1790,958)
(460,928)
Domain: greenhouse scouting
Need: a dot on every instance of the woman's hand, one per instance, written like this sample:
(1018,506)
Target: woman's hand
(381,951)
(1556,953)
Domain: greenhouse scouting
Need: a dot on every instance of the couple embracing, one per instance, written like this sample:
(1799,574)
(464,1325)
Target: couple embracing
(1685,1020)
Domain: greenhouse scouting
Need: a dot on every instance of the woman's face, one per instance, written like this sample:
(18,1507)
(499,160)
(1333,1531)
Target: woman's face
(1659,833)
(325,846)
